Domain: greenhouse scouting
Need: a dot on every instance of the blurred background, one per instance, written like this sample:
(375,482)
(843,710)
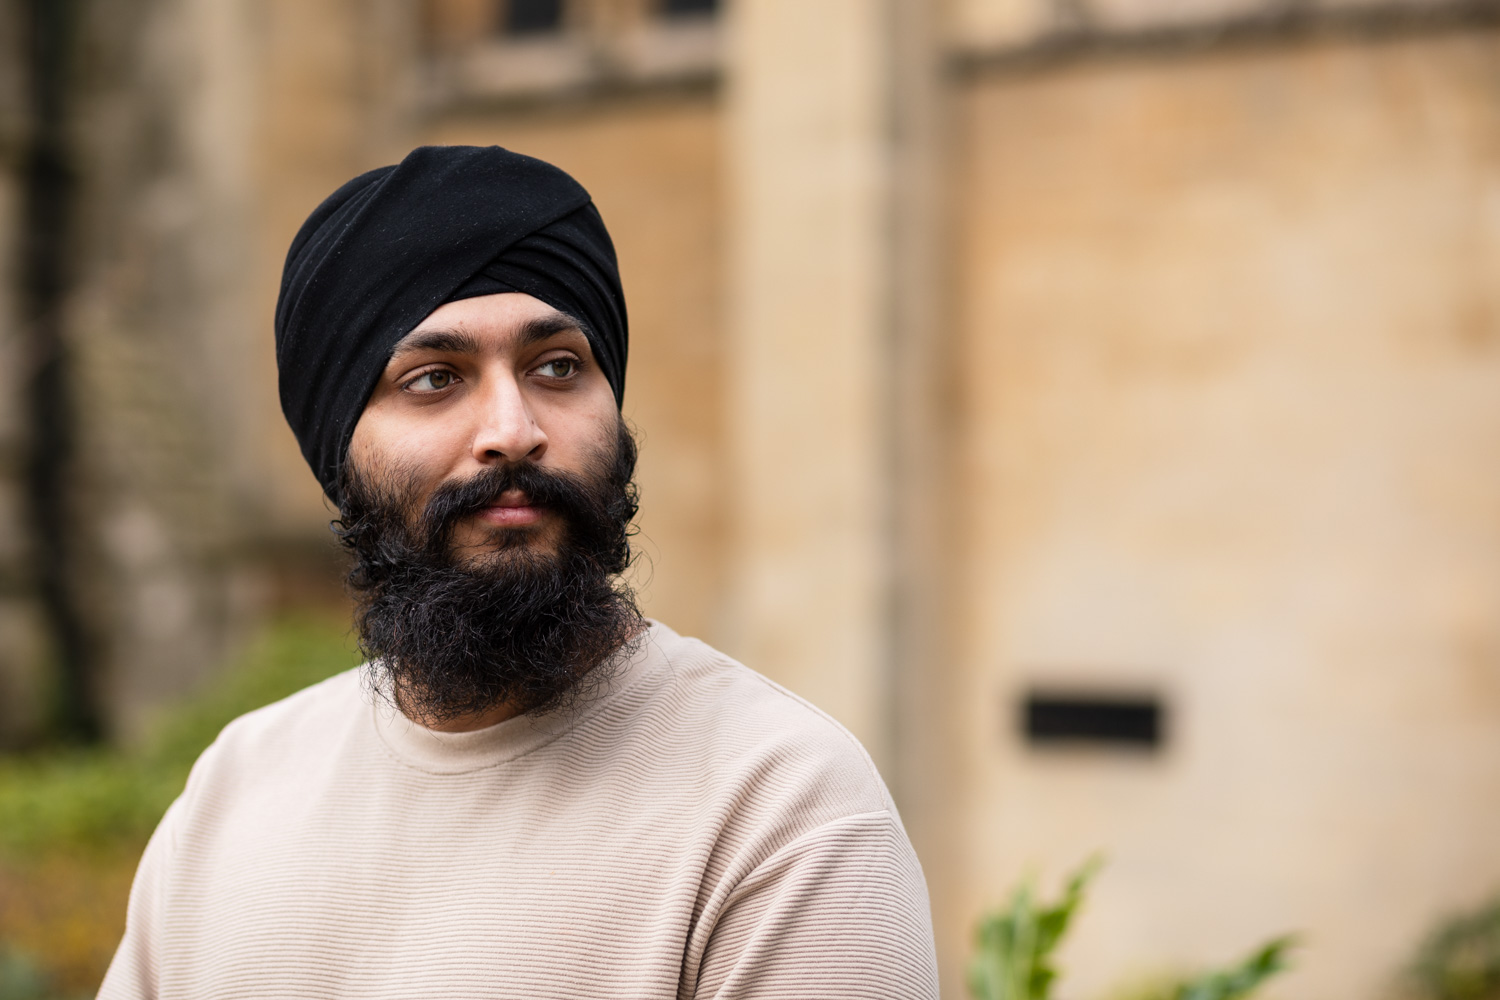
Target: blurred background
(1093,404)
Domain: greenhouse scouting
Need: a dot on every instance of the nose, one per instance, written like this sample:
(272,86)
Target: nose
(505,430)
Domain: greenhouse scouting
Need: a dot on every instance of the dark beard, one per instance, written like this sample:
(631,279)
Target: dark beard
(513,627)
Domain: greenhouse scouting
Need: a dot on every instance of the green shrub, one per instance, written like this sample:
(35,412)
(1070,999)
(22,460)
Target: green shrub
(1460,960)
(1015,945)
(21,978)
(1238,980)
(1014,948)
(98,798)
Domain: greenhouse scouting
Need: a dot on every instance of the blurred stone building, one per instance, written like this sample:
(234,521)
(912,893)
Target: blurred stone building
(1094,404)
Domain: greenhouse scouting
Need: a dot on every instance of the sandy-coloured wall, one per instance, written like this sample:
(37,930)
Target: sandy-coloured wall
(1230,335)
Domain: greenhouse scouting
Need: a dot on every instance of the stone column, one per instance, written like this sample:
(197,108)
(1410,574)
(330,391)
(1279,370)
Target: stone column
(816,309)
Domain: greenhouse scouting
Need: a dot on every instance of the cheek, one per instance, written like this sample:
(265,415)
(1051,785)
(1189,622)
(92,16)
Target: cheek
(576,434)
(420,453)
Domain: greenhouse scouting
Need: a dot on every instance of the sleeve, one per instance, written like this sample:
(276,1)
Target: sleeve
(132,973)
(840,913)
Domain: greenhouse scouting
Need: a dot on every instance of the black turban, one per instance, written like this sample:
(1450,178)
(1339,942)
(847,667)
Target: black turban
(390,246)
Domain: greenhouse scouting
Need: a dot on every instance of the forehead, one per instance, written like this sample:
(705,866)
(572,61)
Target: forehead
(506,320)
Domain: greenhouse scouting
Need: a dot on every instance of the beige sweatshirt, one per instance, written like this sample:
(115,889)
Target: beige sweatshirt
(693,830)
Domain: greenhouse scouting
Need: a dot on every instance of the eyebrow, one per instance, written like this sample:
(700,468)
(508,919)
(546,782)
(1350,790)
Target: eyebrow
(459,342)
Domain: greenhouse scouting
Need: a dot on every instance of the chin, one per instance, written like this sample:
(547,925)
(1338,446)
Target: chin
(505,546)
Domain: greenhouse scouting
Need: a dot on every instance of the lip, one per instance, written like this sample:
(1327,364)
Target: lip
(512,509)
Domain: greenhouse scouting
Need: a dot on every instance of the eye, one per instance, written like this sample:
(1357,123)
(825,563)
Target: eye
(434,381)
(558,368)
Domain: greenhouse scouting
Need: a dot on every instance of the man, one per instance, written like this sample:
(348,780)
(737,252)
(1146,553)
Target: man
(529,791)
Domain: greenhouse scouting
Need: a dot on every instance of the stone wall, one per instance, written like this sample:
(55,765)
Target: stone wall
(157,327)
(1230,343)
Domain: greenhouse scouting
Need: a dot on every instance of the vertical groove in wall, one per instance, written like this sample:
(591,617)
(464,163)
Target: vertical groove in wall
(48,188)
(919,435)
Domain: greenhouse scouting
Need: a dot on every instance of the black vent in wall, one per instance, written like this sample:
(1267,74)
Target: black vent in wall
(1052,719)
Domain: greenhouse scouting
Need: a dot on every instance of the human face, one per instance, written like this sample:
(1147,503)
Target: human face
(481,382)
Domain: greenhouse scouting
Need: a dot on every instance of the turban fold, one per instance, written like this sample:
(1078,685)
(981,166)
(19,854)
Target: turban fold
(389,247)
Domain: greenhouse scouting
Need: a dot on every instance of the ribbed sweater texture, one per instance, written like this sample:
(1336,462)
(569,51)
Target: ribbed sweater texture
(690,829)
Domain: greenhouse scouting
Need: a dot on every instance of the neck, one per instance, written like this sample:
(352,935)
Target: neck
(464,723)
(410,706)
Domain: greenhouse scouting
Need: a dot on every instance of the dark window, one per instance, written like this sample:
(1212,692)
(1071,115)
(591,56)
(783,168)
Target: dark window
(687,8)
(532,17)
(1101,720)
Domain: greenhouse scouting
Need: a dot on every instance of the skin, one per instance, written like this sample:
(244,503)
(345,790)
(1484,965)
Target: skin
(486,381)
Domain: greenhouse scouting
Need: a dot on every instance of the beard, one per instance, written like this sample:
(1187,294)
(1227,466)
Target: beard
(513,625)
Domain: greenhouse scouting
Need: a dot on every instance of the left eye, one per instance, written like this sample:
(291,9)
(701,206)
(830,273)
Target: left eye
(558,368)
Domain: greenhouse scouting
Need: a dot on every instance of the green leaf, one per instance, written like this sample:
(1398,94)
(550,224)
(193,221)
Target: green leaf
(1013,947)
(1239,980)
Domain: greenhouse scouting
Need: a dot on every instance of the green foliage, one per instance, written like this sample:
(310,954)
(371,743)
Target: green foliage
(1015,945)
(1460,960)
(21,978)
(1238,980)
(100,798)
(1013,960)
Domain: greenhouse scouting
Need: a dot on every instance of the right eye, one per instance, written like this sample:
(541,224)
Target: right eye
(431,382)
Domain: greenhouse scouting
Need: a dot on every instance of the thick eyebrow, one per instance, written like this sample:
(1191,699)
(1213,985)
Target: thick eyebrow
(449,341)
(459,342)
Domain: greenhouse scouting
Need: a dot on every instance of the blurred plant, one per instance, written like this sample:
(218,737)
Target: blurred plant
(1013,960)
(101,798)
(1460,960)
(1238,980)
(20,977)
(1015,945)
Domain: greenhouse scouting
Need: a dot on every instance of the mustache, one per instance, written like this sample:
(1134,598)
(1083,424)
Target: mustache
(595,506)
(385,519)
(571,496)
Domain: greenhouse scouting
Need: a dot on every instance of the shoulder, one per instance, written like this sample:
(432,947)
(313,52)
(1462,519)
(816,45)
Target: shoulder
(755,738)
(805,838)
(282,734)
